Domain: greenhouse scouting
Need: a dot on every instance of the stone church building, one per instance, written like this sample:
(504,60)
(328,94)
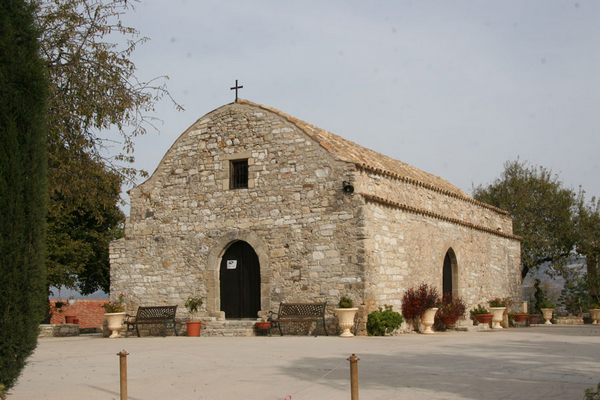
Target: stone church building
(251,207)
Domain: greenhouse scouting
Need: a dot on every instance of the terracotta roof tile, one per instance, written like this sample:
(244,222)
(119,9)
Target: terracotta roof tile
(348,151)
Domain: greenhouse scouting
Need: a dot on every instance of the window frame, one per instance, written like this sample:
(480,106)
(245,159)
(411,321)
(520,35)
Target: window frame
(239,177)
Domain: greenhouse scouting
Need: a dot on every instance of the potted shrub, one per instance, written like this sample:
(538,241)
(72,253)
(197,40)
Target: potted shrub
(114,314)
(534,319)
(518,317)
(547,310)
(542,303)
(452,309)
(346,312)
(421,303)
(263,324)
(482,315)
(193,304)
(383,322)
(497,307)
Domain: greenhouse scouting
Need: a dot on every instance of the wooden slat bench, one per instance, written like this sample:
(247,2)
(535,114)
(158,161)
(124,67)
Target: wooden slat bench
(152,315)
(299,313)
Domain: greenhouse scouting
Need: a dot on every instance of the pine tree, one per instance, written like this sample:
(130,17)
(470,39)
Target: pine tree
(23,189)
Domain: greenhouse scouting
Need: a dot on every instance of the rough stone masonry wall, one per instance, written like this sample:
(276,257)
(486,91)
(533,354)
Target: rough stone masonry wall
(410,228)
(409,249)
(432,200)
(294,214)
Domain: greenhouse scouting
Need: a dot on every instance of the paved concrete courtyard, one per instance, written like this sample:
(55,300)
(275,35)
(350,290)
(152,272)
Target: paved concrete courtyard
(544,362)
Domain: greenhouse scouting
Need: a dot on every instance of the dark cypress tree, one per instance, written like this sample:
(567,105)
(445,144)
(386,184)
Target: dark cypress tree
(23,87)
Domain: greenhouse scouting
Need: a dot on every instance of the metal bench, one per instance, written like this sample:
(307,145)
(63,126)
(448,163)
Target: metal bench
(152,315)
(299,313)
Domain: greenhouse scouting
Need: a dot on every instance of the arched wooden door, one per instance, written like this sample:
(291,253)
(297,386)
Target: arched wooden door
(240,281)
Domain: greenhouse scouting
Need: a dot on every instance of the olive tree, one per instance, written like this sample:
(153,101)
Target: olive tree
(96,108)
(542,211)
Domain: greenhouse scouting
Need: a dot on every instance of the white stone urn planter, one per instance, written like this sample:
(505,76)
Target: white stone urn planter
(547,315)
(115,323)
(498,316)
(595,315)
(346,320)
(428,319)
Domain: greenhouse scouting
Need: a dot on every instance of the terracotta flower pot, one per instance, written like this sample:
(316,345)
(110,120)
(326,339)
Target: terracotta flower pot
(263,325)
(484,319)
(520,317)
(449,319)
(193,328)
(534,319)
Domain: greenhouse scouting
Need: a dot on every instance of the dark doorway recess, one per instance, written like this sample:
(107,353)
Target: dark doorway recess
(447,274)
(240,281)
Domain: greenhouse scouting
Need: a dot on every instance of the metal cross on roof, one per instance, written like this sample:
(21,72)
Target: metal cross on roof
(236,87)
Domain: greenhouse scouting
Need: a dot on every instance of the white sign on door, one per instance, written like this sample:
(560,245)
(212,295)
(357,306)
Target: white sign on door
(231,264)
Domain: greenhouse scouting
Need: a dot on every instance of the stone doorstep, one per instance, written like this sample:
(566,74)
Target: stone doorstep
(211,326)
(228,328)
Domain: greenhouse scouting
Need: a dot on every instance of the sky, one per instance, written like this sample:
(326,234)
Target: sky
(454,88)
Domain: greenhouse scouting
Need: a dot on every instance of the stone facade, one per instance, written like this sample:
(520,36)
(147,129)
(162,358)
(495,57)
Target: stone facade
(313,240)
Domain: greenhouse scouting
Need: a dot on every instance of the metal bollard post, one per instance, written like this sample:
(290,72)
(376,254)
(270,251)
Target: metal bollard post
(123,369)
(353,376)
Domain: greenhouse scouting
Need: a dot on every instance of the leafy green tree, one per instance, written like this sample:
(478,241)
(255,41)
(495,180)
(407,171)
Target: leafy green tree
(80,231)
(587,221)
(96,109)
(541,209)
(574,295)
(23,95)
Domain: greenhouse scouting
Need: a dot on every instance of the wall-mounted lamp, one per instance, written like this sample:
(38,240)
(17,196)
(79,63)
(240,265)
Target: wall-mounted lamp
(348,188)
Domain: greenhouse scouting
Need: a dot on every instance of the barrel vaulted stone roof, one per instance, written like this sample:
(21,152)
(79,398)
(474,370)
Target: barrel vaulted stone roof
(348,151)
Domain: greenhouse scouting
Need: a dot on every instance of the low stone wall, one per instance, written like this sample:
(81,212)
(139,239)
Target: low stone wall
(58,330)
(570,320)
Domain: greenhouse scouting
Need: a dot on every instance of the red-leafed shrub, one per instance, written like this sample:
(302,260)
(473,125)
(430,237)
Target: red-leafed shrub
(416,301)
(452,306)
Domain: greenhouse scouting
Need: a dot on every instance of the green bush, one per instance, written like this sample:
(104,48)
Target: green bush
(479,310)
(346,302)
(382,322)
(592,393)
(545,304)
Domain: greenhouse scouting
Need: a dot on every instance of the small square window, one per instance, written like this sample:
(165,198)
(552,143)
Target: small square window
(238,177)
